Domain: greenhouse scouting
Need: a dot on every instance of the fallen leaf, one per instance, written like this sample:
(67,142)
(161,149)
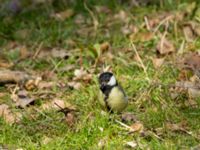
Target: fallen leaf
(54,53)
(136,127)
(189,36)
(165,46)
(22,99)
(181,126)
(57,104)
(7,114)
(24,53)
(191,30)
(32,83)
(45,85)
(157,62)
(5,63)
(70,118)
(122,16)
(141,36)
(105,46)
(75,85)
(81,74)
(131,144)
(192,62)
(61,16)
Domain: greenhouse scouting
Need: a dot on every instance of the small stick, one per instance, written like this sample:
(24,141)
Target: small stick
(38,50)
(124,125)
(147,23)
(140,60)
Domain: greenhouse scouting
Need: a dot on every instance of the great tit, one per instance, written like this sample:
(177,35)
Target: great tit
(111,94)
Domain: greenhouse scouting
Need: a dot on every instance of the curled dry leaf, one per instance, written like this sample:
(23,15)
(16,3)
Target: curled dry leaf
(136,127)
(6,113)
(157,62)
(61,16)
(32,83)
(22,99)
(165,46)
(5,63)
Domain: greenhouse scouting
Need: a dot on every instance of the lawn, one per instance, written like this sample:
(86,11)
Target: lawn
(65,45)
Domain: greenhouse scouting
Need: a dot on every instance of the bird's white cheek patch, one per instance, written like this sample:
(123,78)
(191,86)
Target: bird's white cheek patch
(112,81)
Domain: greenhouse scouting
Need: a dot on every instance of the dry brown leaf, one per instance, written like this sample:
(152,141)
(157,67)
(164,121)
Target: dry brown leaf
(81,74)
(22,99)
(70,118)
(55,53)
(32,83)
(141,36)
(165,46)
(136,127)
(182,126)
(61,16)
(7,114)
(157,62)
(57,104)
(189,35)
(105,46)
(75,85)
(129,29)
(4,62)
(24,53)
(192,62)
(122,16)
(45,85)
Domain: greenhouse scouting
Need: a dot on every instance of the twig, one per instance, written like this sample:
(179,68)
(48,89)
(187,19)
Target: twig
(38,50)
(95,21)
(147,23)
(124,125)
(161,23)
(140,60)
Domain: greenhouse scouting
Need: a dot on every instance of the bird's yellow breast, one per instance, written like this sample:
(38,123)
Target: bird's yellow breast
(117,101)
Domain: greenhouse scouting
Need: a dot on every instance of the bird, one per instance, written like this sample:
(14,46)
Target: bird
(111,94)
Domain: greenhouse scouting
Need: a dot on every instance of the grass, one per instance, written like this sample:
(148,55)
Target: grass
(152,104)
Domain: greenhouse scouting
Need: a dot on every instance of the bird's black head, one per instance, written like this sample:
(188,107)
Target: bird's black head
(107,80)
